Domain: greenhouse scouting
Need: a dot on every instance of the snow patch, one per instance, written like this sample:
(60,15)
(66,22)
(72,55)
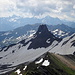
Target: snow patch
(25,68)
(20,74)
(48,40)
(4,41)
(16,33)
(38,62)
(7,39)
(55,33)
(18,38)
(61,32)
(6,33)
(32,32)
(30,35)
(46,63)
(56,30)
(39,32)
(18,71)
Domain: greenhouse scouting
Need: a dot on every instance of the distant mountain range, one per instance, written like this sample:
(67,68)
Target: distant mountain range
(10,23)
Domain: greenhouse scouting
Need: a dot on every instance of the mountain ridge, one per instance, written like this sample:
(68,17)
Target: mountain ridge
(10,23)
(20,33)
(33,47)
(43,38)
(55,66)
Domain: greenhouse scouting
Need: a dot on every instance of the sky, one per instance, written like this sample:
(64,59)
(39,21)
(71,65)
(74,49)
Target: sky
(63,9)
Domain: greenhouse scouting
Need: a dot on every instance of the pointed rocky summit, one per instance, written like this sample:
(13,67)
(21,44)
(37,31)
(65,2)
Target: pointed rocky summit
(43,38)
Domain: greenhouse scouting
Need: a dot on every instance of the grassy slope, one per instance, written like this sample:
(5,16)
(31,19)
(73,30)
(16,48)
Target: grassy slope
(56,67)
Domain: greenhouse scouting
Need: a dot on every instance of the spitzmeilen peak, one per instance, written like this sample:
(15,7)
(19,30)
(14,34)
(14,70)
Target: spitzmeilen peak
(43,38)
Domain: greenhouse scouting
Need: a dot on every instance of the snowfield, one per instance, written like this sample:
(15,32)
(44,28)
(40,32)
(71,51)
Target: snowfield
(15,55)
(65,49)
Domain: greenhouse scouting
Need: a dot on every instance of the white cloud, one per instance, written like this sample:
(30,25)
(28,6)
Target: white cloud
(74,6)
(63,9)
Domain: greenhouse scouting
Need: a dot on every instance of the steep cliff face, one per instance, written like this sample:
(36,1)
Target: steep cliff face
(43,38)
